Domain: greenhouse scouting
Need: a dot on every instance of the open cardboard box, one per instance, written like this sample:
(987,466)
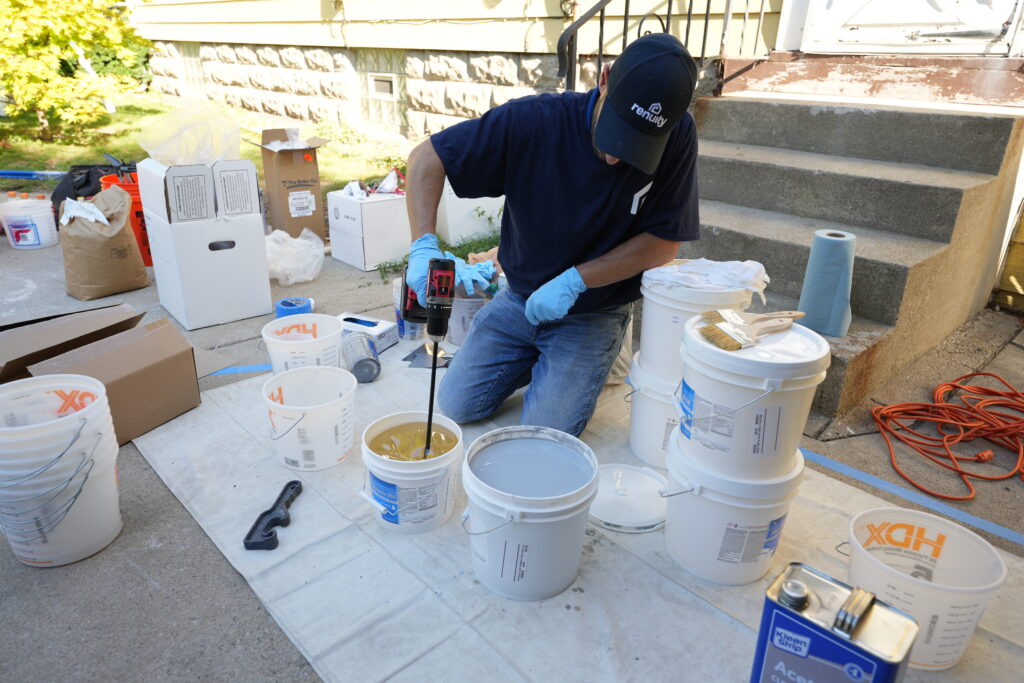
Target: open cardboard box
(292,178)
(148,369)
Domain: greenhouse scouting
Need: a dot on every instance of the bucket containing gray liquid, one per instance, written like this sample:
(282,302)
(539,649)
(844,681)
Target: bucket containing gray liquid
(530,490)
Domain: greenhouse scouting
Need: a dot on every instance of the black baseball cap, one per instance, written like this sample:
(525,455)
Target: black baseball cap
(649,89)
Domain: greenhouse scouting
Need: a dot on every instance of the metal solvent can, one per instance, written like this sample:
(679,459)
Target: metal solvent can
(359,354)
(817,629)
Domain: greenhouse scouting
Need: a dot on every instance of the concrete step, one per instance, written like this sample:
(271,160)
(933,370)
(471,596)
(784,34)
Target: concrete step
(851,374)
(782,243)
(968,142)
(909,199)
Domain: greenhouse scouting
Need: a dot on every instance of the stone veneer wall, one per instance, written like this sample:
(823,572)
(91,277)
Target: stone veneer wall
(433,89)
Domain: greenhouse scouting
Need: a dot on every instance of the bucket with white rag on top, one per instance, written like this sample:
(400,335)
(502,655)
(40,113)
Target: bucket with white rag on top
(653,414)
(743,412)
(310,413)
(941,573)
(59,499)
(674,293)
(296,341)
(412,489)
(530,490)
(725,529)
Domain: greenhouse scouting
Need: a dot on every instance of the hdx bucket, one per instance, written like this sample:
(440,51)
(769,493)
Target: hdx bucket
(666,309)
(530,490)
(653,414)
(743,412)
(310,412)
(296,341)
(411,496)
(724,529)
(938,571)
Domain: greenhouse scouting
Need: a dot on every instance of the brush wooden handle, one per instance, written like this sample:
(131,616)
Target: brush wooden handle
(760,329)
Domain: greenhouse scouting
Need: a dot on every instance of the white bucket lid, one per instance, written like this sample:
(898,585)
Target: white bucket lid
(687,471)
(795,352)
(629,499)
(647,382)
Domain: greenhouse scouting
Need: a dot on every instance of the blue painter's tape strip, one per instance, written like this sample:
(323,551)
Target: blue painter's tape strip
(238,369)
(915,497)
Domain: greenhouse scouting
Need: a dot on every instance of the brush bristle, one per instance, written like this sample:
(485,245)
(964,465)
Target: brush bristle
(725,336)
(712,317)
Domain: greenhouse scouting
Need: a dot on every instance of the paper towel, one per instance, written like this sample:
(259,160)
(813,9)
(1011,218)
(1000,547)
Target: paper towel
(825,296)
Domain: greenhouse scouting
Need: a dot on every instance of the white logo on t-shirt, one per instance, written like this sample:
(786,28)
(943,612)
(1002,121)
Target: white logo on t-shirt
(638,198)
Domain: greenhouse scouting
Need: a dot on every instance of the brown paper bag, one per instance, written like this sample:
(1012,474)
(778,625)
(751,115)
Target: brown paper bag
(99,259)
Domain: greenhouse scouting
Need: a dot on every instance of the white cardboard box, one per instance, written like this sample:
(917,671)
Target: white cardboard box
(459,219)
(177,194)
(368,232)
(210,272)
(383,332)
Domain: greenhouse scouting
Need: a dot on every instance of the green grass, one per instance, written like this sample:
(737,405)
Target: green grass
(349,155)
(475,244)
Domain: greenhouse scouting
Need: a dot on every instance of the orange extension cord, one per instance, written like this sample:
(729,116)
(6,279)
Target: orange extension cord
(981,414)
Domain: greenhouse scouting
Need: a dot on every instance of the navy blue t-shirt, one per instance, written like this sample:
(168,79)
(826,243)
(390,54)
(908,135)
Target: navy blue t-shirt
(563,205)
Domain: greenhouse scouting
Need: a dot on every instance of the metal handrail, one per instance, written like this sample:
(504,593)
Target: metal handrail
(567,44)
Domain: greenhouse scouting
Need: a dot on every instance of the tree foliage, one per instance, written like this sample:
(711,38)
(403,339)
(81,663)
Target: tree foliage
(39,64)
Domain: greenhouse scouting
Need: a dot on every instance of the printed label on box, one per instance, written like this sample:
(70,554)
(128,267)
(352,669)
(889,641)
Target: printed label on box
(301,204)
(190,197)
(235,197)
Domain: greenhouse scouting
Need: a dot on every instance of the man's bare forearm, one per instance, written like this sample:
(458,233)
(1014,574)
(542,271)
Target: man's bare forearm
(633,256)
(424,183)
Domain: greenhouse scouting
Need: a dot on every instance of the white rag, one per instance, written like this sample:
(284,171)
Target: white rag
(85,210)
(713,275)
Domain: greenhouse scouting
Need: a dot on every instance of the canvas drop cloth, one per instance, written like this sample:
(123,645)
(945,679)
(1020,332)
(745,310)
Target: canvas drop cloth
(362,603)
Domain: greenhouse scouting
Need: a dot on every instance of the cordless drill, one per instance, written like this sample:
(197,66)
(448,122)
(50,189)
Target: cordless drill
(438,309)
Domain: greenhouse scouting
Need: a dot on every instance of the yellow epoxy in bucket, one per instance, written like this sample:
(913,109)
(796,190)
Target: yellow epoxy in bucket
(406,441)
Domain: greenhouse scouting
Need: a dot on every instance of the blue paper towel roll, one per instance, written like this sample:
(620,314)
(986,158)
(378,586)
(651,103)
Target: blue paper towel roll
(825,296)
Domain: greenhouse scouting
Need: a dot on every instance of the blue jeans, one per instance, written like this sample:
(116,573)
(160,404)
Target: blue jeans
(565,362)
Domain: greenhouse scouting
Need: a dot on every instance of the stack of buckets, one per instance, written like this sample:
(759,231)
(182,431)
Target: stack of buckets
(58,479)
(129,183)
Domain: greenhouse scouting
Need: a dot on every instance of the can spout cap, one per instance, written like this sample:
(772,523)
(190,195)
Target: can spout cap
(794,594)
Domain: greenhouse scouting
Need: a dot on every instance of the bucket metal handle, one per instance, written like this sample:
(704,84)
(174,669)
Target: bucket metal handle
(732,411)
(7,483)
(294,424)
(86,461)
(510,517)
(43,530)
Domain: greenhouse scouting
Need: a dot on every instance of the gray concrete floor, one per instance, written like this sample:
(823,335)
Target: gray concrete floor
(162,603)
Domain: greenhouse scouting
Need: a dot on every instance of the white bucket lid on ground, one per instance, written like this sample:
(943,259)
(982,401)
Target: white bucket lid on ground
(411,496)
(941,573)
(529,491)
(310,412)
(629,499)
(297,341)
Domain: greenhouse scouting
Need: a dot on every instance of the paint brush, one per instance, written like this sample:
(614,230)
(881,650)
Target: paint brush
(730,337)
(728,315)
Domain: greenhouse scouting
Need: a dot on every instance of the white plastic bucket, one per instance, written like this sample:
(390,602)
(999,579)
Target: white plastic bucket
(743,412)
(464,309)
(528,509)
(29,223)
(666,309)
(296,341)
(722,529)
(58,482)
(653,415)
(310,412)
(411,496)
(941,573)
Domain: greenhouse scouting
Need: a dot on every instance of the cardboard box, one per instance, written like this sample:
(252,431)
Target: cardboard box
(177,194)
(237,193)
(367,232)
(384,333)
(293,184)
(459,219)
(211,272)
(149,373)
(148,370)
(32,341)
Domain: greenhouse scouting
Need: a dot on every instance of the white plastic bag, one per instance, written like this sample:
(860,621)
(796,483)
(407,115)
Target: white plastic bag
(390,183)
(294,259)
(198,137)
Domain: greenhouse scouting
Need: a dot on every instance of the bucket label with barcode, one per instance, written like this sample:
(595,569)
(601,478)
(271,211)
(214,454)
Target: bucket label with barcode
(745,543)
(714,425)
(409,505)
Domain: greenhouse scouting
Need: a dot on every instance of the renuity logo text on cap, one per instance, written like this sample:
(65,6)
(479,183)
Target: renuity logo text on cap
(650,114)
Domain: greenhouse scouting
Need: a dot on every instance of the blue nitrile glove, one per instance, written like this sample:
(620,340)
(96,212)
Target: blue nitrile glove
(467,275)
(420,253)
(555,297)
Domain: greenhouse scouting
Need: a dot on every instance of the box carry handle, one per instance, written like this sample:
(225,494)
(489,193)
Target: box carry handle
(222,245)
